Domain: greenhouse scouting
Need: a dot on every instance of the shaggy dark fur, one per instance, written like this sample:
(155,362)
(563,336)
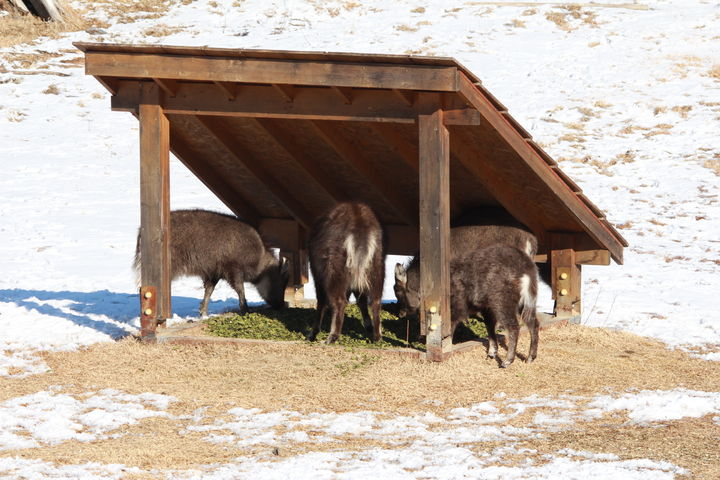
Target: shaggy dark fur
(347,256)
(214,247)
(465,238)
(498,282)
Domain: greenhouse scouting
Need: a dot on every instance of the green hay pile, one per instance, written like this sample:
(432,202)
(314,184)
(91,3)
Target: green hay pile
(295,323)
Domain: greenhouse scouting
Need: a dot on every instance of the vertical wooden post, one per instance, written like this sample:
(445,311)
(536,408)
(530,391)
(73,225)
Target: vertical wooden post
(566,277)
(289,237)
(298,266)
(154,206)
(434,163)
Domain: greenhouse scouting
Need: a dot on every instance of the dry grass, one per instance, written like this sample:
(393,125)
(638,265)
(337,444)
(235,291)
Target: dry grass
(570,12)
(18,29)
(715,72)
(629,129)
(161,30)
(52,89)
(311,378)
(572,137)
(15,116)
(405,28)
(713,164)
(660,129)
(683,110)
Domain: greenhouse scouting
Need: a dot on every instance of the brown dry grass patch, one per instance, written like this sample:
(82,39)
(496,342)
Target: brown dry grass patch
(312,378)
(713,164)
(715,72)
(687,443)
(18,28)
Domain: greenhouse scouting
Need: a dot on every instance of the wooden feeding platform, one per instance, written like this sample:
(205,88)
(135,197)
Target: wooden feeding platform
(282,136)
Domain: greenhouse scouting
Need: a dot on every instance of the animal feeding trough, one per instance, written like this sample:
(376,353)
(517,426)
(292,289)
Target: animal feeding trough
(281,136)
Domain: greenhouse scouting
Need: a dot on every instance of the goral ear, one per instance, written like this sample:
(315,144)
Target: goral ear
(400,273)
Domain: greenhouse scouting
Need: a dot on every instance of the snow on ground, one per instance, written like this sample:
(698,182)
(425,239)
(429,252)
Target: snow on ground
(626,99)
(49,418)
(424,445)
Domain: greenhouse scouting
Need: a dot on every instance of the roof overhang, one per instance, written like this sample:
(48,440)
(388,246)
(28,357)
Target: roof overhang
(283,135)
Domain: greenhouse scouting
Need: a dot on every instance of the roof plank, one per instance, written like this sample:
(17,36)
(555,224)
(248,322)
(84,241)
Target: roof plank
(241,155)
(230,196)
(395,199)
(269,71)
(306,161)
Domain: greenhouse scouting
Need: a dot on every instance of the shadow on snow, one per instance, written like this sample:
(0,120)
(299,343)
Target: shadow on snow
(111,313)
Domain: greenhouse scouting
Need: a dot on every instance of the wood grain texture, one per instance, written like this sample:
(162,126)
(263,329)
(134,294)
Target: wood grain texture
(271,71)
(434,147)
(155,199)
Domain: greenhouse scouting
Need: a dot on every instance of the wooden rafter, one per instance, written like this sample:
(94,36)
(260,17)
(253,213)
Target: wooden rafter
(242,156)
(110,83)
(286,91)
(409,97)
(344,93)
(515,141)
(405,149)
(464,116)
(230,89)
(300,155)
(484,172)
(383,185)
(230,196)
(264,101)
(169,86)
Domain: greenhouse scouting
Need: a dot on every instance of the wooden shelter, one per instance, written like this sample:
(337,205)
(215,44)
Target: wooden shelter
(281,136)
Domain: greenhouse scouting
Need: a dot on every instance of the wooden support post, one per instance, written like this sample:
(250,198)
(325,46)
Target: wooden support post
(289,237)
(566,277)
(434,167)
(154,206)
(298,275)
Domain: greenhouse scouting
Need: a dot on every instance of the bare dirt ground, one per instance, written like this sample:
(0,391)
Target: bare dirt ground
(308,378)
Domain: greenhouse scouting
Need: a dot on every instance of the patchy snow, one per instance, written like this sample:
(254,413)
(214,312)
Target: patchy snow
(13,468)
(654,406)
(49,418)
(424,445)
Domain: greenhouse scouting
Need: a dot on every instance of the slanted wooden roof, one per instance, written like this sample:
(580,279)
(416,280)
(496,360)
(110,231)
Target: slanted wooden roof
(279,134)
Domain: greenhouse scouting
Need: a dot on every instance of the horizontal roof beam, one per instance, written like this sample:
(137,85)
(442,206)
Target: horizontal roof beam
(272,71)
(265,102)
